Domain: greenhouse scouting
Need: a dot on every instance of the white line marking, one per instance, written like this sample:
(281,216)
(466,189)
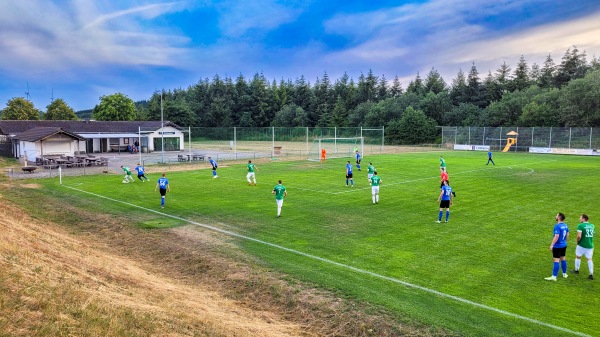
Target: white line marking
(345,266)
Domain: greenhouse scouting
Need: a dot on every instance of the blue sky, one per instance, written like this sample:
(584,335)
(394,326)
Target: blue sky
(79,50)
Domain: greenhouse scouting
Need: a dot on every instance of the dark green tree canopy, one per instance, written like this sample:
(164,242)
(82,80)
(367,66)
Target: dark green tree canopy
(412,128)
(115,107)
(58,110)
(20,109)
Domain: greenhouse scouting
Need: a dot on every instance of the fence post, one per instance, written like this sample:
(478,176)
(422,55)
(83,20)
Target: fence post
(591,131)
(516,144)
(550,138)
(469,141)
(307,149)
(484,135)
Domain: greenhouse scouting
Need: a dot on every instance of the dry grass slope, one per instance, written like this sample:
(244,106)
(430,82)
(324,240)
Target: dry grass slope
(97,275)
(57,284)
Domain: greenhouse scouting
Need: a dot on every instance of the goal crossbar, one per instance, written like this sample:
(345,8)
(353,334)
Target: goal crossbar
(338,147)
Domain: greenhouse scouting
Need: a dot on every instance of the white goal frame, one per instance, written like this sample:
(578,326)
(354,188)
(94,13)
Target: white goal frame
(338,147)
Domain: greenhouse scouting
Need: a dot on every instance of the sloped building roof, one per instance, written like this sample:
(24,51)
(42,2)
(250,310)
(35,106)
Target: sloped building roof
(8,127)
(43,133)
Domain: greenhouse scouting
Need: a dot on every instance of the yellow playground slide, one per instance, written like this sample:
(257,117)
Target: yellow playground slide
(509,142)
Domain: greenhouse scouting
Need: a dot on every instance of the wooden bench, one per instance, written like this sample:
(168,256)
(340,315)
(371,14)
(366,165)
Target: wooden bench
(118,148)
(29,169)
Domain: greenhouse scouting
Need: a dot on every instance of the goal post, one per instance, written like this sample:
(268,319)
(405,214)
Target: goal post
(336,147)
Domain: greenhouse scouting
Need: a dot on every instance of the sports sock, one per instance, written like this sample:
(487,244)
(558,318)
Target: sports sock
(373,198)
(377,198)
(555,269)
(346,182)
(162,201)
(447,215)
(440,216)
(563,265)
(577,264)
(591,266)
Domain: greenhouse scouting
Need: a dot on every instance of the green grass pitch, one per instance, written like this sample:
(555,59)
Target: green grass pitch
(491,258)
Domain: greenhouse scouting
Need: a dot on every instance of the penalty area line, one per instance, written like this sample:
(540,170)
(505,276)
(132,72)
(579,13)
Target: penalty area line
(343,266)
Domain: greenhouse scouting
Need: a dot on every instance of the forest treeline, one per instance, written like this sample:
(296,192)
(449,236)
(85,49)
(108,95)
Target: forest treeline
(552,94)
(564,94)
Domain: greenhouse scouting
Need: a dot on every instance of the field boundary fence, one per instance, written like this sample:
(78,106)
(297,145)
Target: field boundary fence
(544,137)
(272,142)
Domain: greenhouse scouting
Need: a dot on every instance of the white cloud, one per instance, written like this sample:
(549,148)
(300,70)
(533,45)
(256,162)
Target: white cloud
(239,17)
(446,35)
(39,37)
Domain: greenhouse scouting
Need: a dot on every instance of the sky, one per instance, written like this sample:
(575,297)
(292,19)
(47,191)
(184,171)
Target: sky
(80,50)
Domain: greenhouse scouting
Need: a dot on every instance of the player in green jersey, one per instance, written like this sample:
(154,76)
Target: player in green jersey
(370,170)
(585,244)
(280,193)
(375,182)
(442,163)
(251,176)
(127,178)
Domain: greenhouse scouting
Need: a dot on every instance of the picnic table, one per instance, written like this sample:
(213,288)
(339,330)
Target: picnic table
(29,169)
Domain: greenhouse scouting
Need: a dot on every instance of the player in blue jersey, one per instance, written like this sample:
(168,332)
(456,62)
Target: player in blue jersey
(214,166)
(163,185)
(490,158)
(445,200)
(349,174)
(141,172)
(358,159)
(558,247)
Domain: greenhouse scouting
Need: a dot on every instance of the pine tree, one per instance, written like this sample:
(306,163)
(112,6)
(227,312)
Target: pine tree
(474,88)
(520,79)
(573,66)
(458,92)
(396,89)
(503,78)
(382,89)
(416,86)
(547,73)
(434,82)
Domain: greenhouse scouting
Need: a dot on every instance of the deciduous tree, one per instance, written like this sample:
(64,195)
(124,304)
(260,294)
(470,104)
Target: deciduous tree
(115,107)
(59,110)
(20,109)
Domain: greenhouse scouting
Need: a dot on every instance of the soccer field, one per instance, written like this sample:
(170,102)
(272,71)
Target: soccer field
(480,274)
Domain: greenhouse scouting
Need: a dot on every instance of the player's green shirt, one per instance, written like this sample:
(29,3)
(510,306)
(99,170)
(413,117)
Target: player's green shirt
(250,168)
(127,170)
(587,235)
(375,181)
(442,162)
(279,191)
(370,169)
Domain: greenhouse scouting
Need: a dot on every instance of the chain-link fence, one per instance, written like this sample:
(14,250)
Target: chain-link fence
(221,144)
(526,137)
(239,142)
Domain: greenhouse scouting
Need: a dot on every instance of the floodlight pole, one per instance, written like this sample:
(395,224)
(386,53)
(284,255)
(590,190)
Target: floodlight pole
(162,127)
(140,144)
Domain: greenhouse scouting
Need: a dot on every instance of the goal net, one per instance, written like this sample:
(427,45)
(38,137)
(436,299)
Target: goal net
(336,147)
